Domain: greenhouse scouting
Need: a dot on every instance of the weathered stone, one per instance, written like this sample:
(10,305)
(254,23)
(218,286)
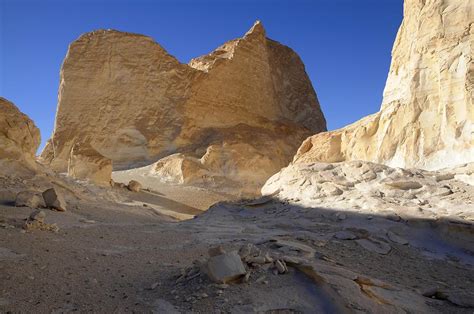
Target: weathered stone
(345,235)
(134,186)
(19,137)
(87,163)
(214,251)
(396,238)
(427,114)
(341,216)
(294,246)
(256,260)
(120,185)
(248,250)
(234,116)
(30,199)
(226,267)
(37,215)
(54,200)
(374,196)
(375,246)
(403,184)
(280,266)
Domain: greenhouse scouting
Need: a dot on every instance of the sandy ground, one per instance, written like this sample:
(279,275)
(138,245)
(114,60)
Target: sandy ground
(112,254)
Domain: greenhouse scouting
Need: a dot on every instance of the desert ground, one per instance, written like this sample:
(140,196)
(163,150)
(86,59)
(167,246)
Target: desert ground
(143,252)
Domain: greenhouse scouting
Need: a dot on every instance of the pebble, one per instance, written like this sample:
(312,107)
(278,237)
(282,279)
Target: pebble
(260,279)
(345,235)
(154,285)
(38,215)
(280,265)
(341,216)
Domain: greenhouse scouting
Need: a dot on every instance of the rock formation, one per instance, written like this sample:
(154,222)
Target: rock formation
(369,188)
(236,113)
(427,116)
(19,137)
(86,163)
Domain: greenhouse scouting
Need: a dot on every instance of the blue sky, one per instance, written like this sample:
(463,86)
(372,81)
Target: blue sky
(345,44)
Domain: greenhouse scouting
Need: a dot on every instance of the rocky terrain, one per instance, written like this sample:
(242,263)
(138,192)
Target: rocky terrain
(117,250)
(231,118)
(377,217)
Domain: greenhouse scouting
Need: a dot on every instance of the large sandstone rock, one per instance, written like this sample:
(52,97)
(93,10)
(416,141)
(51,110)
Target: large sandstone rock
(427,115)
(87,163)
(237,113)
(19,137)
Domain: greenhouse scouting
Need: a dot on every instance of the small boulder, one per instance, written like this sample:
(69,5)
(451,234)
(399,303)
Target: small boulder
(225,268)
(37,215)
(30,199)
(134,186)
(54,200)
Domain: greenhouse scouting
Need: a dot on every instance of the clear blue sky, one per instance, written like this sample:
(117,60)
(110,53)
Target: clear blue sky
(345,44)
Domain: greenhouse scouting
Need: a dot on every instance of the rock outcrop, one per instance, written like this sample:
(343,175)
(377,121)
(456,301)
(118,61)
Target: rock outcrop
(19,137)
(236,113)
(87,163)
(369,188)
(427,116)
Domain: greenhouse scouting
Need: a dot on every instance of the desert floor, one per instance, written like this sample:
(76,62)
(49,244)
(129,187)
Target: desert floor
(129,252)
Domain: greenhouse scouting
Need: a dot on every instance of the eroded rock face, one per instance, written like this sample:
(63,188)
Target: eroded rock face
(370,188)
(427,116)
(19,137)
(134,103)
(87,163)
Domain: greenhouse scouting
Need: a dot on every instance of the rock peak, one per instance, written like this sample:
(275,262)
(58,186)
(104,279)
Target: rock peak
(257,29)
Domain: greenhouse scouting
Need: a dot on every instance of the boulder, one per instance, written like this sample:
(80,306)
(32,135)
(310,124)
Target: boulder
(30,199)
(134,186)
(233,116)
(87,163)
(54,200)
(19,137)
(37,215)
(225,268)
(427,115)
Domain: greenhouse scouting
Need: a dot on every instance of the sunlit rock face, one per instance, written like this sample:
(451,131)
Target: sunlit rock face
(371,188)
(19,138)
(427,115)
(86,163)
(134,104)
